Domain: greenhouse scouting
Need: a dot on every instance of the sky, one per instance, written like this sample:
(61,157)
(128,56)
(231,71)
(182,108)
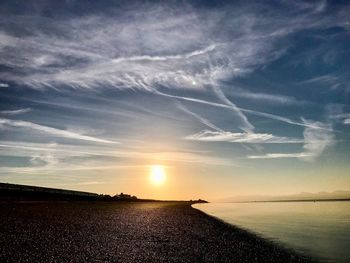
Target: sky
(230,97)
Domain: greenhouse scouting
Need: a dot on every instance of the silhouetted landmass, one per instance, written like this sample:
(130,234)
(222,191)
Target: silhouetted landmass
(13,192)
(199,201)
(123,196)
(26,192)
(127,232)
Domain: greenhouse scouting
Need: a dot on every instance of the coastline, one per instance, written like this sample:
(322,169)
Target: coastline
(128,232)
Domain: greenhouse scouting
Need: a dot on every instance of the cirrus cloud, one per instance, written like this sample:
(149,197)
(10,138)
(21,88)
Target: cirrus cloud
(238,137)
(52,131)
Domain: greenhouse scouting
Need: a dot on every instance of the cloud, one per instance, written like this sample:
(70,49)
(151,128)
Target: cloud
(196,116)
(279,155)
(150,45)
(344,117)
(317,138)
(51,131)
(243,123)
(4,85)
(252,112)
(44,159)
(332,81)
(222,136)
(271,98)
(134,53)
(83,157)
(335,113)
(15,112)
(164,58)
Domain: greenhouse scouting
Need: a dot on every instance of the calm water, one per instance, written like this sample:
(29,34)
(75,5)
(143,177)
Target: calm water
(321,229)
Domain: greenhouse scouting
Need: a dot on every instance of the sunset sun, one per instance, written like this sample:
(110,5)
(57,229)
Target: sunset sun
(157,176)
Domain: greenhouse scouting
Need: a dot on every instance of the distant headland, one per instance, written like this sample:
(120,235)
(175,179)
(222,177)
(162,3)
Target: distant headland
(16,192)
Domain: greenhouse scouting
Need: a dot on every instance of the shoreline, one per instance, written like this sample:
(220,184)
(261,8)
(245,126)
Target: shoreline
(254,235)
(290,201)
(128,232)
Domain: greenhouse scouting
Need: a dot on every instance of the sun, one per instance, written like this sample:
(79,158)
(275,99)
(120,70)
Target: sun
(157,176)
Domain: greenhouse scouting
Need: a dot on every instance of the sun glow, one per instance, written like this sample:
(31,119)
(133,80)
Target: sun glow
(157,175)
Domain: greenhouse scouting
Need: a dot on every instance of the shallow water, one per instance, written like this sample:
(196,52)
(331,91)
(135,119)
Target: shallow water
(321,229)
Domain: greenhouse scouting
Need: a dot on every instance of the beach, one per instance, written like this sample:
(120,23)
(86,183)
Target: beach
(127,232)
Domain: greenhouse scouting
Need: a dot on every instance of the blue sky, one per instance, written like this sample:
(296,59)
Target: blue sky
(231,97)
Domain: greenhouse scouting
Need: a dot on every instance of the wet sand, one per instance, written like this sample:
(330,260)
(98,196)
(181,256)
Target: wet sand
(126,232)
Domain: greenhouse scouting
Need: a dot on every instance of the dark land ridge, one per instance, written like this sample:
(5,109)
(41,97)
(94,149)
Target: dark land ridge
(129,231)
(27,193)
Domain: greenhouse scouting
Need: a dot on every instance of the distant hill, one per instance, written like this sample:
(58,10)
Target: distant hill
(26,192)
(17,192)
(300,196)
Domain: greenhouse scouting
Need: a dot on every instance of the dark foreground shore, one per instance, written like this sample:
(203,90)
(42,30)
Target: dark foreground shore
(126,232)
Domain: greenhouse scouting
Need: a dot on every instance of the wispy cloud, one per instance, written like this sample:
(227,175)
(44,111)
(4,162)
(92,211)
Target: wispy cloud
(47,160)
(335,113)
(198,117)
(222,136)
(252,112)
(169,57)
(332,81)
(83,157)
(52,131)
(150,45)
(243,123)
(266,97)
(219,135)
(15,112)
(316,141)
(280,155)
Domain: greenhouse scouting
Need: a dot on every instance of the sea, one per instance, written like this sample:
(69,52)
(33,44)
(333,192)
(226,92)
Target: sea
(317,228)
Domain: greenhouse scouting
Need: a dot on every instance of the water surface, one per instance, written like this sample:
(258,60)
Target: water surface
(321,229)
